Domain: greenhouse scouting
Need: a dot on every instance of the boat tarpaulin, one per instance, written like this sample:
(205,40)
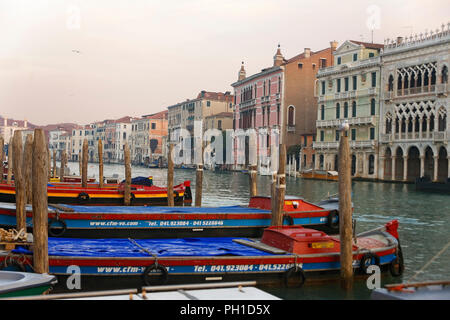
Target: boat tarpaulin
(153,209)
(147,247)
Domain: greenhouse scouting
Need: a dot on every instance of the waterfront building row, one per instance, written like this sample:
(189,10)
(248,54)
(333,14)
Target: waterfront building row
(394,96)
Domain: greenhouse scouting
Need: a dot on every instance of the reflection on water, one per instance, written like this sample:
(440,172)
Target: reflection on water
(424,218)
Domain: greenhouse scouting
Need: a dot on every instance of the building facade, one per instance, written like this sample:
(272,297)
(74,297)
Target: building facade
(146,143)
(282,97)
(8,126)
(182,116)
(415,106)
(349,91)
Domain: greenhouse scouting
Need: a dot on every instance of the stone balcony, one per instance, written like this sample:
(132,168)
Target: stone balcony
(438,89)
(247,103)
(353,144)
(349,66)
(351,121)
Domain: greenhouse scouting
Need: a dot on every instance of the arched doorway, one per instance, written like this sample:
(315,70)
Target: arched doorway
(387,164)
(399,164)
(413,164)
(429,163)
(442,165)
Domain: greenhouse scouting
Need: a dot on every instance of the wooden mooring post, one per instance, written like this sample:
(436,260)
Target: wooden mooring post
(27,167)
(100,163)
(80,163)
(345,210)
(199,181)
(40,213)
(49,159)
(84,165)
(10,162)
(253,176)
(127,189)
(54,163)
(2,144)
(198,185)
(170,200)
(19,185)
(277,214)
(62,167)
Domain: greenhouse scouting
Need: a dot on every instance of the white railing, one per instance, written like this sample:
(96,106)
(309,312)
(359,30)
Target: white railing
(351,121)
(349,65)
(427,38)
(437,136)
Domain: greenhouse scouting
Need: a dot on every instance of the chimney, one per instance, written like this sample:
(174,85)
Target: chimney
(399,40)
(5,122)
(307,52)
(333,45)
(25,123)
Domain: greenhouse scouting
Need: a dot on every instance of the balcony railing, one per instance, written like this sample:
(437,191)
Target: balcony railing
(353,144)
(436,136)
(247,103)
(351,121)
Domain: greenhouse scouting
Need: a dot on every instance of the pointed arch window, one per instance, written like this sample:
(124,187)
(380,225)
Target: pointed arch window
(291,116)
(444,77)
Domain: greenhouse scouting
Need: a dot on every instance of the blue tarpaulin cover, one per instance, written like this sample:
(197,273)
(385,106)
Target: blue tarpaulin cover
(153,209)
(159,247)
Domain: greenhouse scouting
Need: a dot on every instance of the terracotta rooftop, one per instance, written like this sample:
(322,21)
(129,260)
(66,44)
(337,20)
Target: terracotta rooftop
(220,96)
(159,115)
(369,45)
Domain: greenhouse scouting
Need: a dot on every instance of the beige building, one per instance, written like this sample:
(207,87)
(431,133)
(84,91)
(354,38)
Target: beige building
(207,104)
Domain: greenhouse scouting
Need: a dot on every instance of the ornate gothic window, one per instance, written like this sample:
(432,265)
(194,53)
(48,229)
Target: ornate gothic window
(444,77)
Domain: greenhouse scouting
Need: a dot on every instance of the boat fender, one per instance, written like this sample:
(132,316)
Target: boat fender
(176,197)
(366,261)
(295,272)
(132,198)
(54,231)
(333,220)
(83,196)
(289,220)
(397,265)
(150,269)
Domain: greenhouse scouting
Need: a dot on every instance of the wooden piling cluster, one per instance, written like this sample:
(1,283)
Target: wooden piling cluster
(30,164)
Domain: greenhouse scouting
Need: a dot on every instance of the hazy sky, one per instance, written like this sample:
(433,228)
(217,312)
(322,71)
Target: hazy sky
(83,61)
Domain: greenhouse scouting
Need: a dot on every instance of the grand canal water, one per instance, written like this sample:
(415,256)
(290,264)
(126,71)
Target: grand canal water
(424,219)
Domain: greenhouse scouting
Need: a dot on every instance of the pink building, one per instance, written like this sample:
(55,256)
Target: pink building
(258,104)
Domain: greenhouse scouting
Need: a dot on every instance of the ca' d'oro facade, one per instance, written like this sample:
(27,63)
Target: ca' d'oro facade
(415,132)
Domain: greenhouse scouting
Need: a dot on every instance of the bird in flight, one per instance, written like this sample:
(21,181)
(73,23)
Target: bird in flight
(76,51)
